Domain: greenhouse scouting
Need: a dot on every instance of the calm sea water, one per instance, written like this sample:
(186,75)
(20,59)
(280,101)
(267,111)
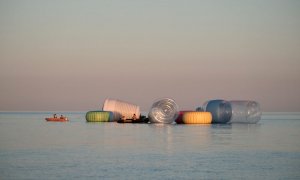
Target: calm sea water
(31,148)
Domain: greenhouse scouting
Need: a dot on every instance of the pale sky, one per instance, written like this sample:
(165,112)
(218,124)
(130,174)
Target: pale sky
(71,55)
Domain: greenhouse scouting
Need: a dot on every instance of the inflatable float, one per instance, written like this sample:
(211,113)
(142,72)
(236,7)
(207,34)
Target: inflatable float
(197,118)
(99,116)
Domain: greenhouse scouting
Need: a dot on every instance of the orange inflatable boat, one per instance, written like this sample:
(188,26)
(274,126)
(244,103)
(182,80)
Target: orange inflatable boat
(57,119)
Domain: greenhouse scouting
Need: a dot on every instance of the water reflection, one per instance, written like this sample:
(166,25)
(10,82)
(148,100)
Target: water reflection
(164,137)
(182,138)
(221,134)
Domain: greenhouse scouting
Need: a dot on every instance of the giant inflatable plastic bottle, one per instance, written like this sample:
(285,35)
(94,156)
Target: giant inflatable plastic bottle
(163,111)
(121,108)
(220,109)
(245,112)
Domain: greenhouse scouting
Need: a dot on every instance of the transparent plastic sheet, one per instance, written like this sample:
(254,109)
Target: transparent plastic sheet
(121,108)
(220,109)
(163,111)
(245,112)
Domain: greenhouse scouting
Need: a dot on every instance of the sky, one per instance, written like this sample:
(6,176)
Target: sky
(71,55)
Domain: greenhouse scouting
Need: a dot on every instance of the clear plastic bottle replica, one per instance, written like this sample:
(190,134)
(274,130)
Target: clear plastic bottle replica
(245,112)
(121,108)
(163,111)
(220,109)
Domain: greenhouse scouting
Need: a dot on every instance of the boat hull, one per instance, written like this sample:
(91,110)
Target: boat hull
(57,119)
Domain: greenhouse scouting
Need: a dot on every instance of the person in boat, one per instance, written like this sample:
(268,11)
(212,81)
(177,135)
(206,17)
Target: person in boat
(134,117)
(54,116)
(123,118)
(62,117)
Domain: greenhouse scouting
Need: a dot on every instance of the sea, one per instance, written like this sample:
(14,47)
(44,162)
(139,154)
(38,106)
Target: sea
(32,148)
